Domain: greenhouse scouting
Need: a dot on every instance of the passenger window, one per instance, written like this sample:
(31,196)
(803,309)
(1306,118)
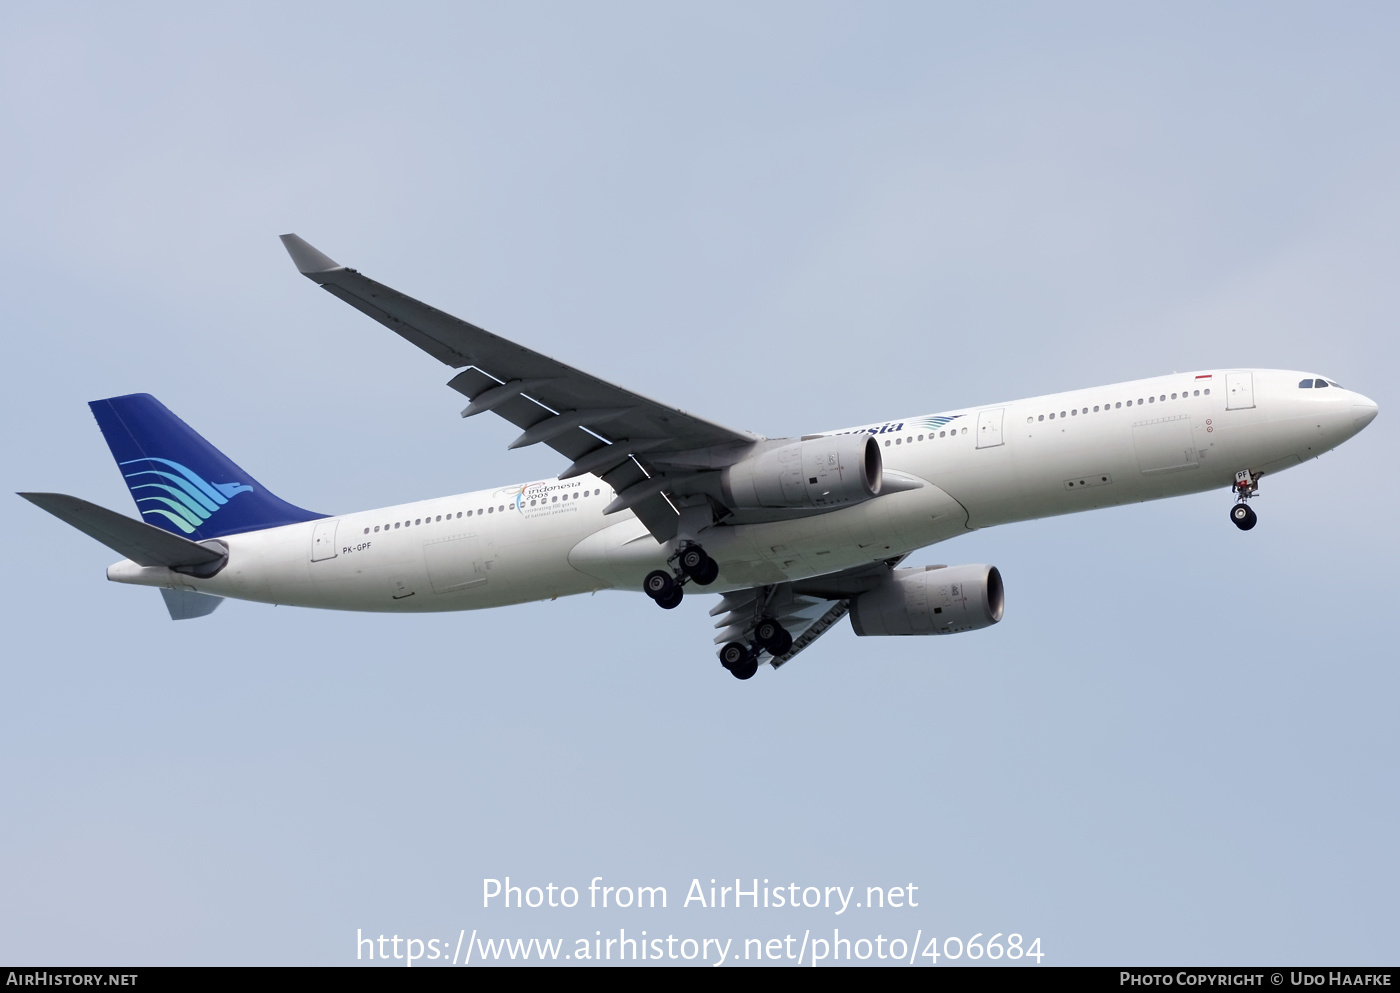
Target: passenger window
(1096,408)
(1073,413)
(1197,393)
(459,514)
(396,525)
(1207,392)
(366,530)
(1119,404)
(1173,396)
(1052,415)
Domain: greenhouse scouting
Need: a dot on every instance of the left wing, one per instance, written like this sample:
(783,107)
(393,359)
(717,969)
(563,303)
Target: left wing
(599,427)
(806,609)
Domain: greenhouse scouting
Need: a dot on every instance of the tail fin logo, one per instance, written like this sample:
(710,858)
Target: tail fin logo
(185,499)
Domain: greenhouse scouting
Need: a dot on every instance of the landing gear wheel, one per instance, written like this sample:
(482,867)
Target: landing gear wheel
(698,566)
(693,559)
(771,635)
(708,574)
(1243,516)
(659,585)
(672,599)
(782,647)
(734,655)
(745,670)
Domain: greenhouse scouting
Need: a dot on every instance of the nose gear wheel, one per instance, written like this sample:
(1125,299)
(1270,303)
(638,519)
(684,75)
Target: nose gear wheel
(1246,486)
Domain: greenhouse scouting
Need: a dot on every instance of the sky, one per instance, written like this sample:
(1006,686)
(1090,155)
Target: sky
(1179,745)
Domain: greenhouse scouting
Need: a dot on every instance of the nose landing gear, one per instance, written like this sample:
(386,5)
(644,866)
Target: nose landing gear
(1243,516)
(1246,486)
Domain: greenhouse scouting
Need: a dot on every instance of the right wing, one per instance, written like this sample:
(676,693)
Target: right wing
(599,427)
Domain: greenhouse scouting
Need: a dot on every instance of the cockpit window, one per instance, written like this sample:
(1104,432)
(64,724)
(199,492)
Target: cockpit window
(1333,382)
(1320,384)
(1305,384)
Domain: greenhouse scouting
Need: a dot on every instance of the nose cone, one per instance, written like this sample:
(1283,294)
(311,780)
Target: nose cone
(1363,411)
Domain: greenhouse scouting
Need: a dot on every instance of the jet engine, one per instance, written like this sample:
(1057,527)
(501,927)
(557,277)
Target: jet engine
(823,472)
(936,600)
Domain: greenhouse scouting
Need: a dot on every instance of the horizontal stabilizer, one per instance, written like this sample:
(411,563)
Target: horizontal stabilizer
(143,543)
(184,604)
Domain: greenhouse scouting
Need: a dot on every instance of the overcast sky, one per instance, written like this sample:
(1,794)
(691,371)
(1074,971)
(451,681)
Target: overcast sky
(1178,747)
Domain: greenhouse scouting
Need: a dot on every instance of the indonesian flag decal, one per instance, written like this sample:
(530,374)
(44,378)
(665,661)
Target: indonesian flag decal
(1206,376)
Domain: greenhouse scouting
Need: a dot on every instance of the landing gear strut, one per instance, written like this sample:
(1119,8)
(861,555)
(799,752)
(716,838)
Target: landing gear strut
(1246,486)
(690,564)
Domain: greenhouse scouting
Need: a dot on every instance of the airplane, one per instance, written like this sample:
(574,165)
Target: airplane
(793,533)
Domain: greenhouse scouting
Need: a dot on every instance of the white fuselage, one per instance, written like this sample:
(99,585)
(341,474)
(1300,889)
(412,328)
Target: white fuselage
(978,467)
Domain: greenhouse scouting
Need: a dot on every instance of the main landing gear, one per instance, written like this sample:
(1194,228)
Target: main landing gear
(690,563)
(1246,486)
(742,660)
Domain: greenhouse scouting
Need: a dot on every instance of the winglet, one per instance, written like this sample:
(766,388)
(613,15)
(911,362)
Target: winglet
(308,260)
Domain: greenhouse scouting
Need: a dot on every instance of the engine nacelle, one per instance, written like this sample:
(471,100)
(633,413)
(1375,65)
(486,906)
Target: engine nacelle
(935,600)
(824,472)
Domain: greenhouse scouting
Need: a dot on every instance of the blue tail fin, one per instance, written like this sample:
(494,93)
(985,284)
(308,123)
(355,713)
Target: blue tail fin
(181,482)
